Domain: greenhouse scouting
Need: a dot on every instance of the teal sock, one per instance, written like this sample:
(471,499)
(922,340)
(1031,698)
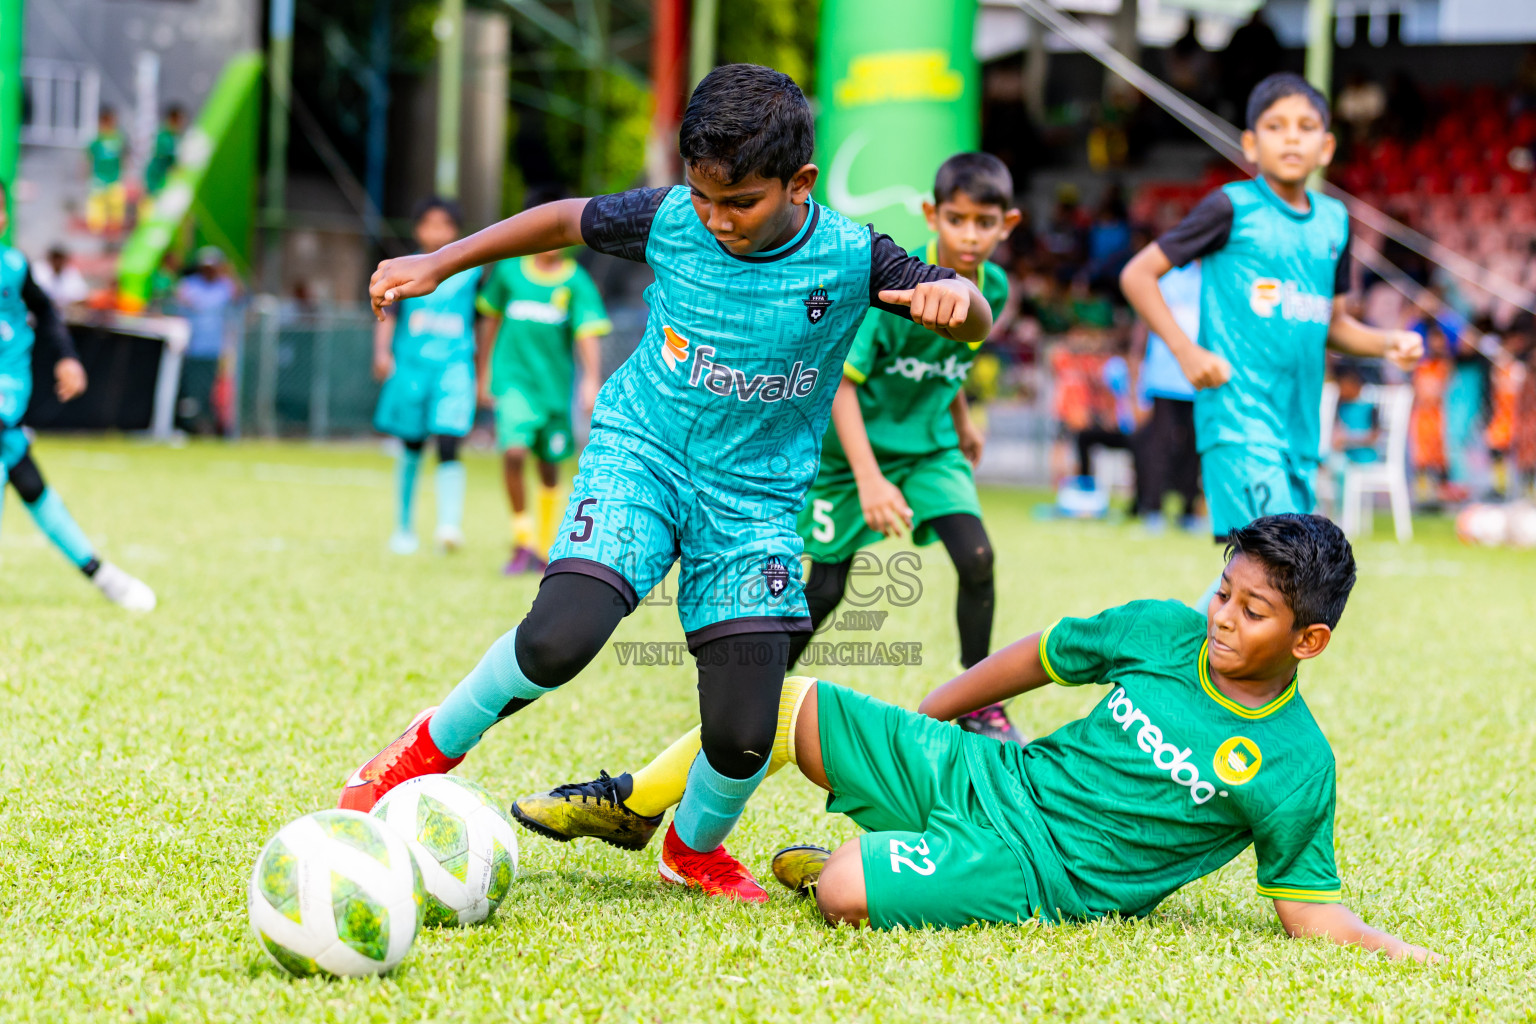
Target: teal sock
(712,804)
(450,494)
(59,526)
(405,486)
(476,703)
(1205,599)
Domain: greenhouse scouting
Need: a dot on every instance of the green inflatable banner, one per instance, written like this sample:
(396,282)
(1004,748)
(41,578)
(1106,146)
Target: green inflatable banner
(900,93)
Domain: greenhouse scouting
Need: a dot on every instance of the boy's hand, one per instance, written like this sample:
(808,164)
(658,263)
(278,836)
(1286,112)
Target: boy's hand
(68,379)
(1204,368)
(935,304)
(972,440)
(1404,349)
(383,366)
(885,509)
(403,278)
(1419,953)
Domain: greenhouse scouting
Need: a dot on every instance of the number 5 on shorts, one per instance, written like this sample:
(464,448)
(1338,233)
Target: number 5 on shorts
(898,858)
(584,531)
(825,528)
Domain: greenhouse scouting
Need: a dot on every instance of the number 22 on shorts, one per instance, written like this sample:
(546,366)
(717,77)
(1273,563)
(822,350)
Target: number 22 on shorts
(899,851)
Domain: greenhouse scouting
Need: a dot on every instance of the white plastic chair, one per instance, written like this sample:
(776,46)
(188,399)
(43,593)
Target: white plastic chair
(1363,480)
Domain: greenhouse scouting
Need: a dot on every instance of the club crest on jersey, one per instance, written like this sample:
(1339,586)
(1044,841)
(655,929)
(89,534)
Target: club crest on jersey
(817,304)
(776,576)
(1237,760)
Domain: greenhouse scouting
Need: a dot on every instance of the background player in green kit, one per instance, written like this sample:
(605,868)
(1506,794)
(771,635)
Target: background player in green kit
(1202,747)
(1274,270)
(703,442)
(536,310)
(425,355)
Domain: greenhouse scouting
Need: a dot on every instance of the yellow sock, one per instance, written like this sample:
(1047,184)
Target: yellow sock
(522,530)
(549,516)
(660,784)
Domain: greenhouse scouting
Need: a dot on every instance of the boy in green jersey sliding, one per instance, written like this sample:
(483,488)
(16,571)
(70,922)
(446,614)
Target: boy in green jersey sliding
(536,310)
(896,459)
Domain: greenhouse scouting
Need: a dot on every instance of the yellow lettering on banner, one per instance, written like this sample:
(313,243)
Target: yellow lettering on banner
(899,76)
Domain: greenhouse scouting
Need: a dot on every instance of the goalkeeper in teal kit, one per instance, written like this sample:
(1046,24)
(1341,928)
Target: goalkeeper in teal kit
(703,443)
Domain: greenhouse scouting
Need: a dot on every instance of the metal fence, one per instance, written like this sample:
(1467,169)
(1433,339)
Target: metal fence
(306,372)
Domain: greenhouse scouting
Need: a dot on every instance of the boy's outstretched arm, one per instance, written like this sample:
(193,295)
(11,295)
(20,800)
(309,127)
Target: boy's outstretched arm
(1353,338)
(1204,368)
(550,226)
(1342,925)
(1011,671)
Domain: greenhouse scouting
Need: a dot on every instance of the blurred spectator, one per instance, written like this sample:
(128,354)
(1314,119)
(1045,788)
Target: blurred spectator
(1407,112)
(162,155)
(1252,53)
(1523,443)
(1426,432)
(1166,456)
(60,279)
(106,207)
(1109,239)
(1358,428)
(204,298)
(1065,238)
(1524,100)
(1361,103)
(1506,382)
(1190,68)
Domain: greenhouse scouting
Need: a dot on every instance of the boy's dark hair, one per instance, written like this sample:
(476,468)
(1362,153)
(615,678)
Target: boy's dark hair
(1276,88)
(538,195)
(104,112)
(1307,558)
(981,176)
(744,119)
(448,206)
(175,110)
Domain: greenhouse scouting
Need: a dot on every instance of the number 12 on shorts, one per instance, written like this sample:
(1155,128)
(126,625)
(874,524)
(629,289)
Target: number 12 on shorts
(899,851)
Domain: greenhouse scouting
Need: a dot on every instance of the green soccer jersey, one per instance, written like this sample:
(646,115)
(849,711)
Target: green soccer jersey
(1167,779)
(106,153)
(161,159)
(543,314)
(907,376)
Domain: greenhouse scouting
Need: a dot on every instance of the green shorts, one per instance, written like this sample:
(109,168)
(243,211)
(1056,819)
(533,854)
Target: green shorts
(523,423)
(936,484)
(1244,482)
(931,854)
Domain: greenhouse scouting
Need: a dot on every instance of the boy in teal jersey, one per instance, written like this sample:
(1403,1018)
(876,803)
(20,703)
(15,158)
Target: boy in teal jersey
(894,460)
(1274,272)
(425,355)
(536,311)
(19,297)
(703,443)
(1203,747)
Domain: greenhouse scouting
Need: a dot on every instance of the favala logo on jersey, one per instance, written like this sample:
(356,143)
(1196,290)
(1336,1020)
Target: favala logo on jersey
(1270,294)
(1237,760)
(1166,756)
(728,381)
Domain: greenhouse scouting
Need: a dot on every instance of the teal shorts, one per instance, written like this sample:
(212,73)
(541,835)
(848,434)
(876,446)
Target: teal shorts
(1243,483)
(936,484)
(522,423)
(634,510)
(932,855)
(15,393)
(421,399)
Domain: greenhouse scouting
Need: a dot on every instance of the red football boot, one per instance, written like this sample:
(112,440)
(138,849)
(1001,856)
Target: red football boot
(411,754)
(716,872)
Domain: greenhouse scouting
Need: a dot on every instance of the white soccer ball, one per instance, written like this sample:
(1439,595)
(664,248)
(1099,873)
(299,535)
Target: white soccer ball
(1522,526)
(337,893)
(464,843)
(1483,525)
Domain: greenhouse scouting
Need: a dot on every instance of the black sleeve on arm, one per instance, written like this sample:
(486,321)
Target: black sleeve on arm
(50,326)
(890,268)
(620,224)
(1204,230)
(1341,272)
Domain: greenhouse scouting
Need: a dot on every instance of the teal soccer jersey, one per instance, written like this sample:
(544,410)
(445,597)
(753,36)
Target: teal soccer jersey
(19,297)
(1167,778)
(704,442)
(440,327)
(432,390)
(1269,274)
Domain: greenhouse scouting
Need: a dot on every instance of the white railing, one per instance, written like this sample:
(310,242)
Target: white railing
(61,102)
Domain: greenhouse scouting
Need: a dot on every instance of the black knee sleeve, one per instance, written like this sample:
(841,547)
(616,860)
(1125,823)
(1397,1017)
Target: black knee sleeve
(414,446)
(824,588)
(740,679)
(447,448)
(571,618)
(27,480)
(966,540)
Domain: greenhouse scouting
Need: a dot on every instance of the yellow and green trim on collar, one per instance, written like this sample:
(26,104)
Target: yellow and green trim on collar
(1280,701)
(538,275)
(1285,892)
(931,257)
(1045,660)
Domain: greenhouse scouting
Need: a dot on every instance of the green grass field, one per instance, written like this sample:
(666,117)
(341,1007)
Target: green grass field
(144,761)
